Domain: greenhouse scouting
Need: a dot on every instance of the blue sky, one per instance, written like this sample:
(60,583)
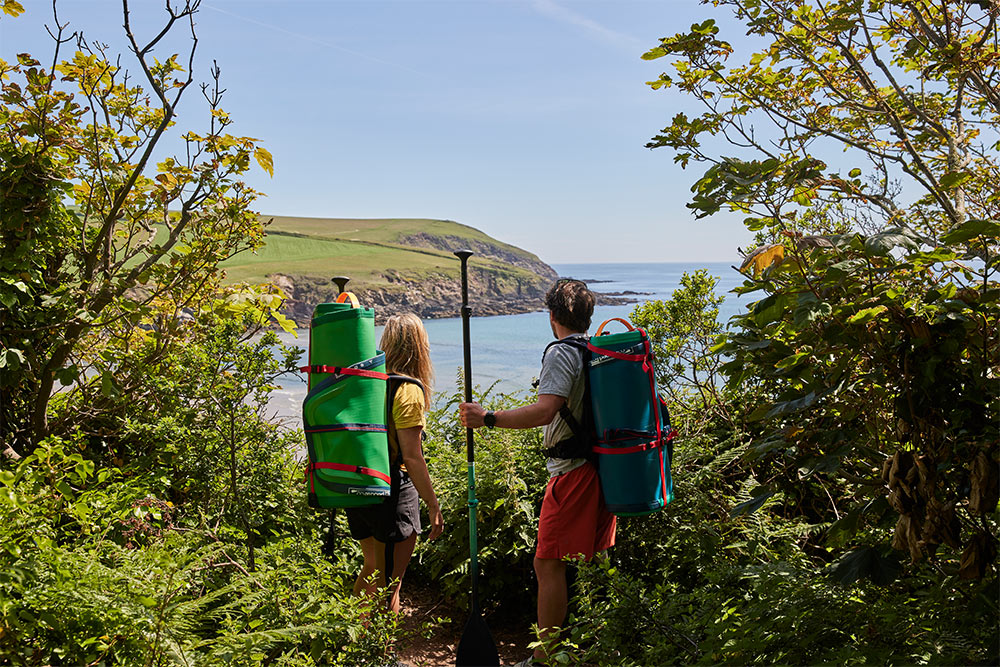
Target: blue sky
(524,118)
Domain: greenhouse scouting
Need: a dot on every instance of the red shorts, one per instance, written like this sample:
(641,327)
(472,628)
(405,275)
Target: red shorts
(574,520)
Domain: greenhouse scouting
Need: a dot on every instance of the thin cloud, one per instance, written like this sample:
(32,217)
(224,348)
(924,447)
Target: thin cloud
(589,26)
(321,42)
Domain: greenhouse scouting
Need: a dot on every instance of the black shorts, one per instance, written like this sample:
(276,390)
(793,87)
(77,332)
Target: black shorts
(388,521)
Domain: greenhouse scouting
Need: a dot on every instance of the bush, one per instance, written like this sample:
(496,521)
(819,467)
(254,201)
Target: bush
(510,478)
(731,574)
(92,570)
(692,584)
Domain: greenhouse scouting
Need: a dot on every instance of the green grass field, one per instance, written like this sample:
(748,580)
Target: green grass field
(361,249)
(375,230)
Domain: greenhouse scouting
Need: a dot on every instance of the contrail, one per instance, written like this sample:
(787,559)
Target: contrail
(321,42)
(596,30)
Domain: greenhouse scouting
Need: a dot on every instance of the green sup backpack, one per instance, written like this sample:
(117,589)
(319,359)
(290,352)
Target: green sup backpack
(626,428)
(344,411)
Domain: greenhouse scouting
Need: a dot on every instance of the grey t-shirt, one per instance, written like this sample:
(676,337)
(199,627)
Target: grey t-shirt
(562,375)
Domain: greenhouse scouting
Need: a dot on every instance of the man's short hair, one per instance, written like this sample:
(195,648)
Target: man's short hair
(571,304)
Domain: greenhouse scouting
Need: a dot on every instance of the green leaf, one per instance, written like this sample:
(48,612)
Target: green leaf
(653,54)
(791,360)
(760,412)
(316,649)
(750,343)
(12,359)
(894,237)
(706,27)
(108,387)
(810,309)
(769,309)
(930,257)
(866,314)
(866,562)
(754,504)
(971,229)
(845,527)
(773,443)
(67,376)
(954,178)
(795,405)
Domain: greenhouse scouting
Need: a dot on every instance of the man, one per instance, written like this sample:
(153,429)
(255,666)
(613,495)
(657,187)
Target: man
(574,522)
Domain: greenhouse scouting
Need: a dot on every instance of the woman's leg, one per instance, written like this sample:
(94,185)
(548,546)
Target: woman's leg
(401,552)
(364,582)
(401,558)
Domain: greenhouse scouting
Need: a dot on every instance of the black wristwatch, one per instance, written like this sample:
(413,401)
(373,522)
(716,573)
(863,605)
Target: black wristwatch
(489,419)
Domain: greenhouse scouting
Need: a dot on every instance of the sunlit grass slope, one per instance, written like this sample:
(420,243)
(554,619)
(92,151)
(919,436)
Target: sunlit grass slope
(362,249)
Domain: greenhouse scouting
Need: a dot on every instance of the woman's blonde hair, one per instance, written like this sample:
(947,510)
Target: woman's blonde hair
(408,351)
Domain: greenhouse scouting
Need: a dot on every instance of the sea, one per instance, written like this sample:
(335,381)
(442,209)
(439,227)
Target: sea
(507,349)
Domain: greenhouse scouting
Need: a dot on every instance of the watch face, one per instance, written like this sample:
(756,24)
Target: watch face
(489,420)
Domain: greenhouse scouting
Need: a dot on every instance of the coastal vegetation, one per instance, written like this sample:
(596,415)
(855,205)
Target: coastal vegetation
(361,246)
(837,473)
(394,264)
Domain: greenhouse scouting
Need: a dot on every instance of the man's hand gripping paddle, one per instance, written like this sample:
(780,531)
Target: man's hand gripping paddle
(476,647)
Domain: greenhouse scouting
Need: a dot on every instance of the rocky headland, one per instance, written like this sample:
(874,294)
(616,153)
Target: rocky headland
(501,282)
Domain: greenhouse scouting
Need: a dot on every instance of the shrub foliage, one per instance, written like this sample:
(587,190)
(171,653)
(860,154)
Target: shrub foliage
(836,478)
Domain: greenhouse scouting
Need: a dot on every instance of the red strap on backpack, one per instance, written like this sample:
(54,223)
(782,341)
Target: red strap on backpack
(338,370)
(343,467)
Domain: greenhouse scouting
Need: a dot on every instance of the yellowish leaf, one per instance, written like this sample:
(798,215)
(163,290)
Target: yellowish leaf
(12,8)
(265,160)
(763,257)
(288,325)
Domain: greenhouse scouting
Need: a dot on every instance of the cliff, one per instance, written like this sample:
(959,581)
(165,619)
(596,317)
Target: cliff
(396,265)
(429,296)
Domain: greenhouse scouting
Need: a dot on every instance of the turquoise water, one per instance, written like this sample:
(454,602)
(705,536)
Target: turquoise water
(507,349)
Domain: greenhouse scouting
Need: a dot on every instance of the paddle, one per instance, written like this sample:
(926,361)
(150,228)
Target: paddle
(476,647)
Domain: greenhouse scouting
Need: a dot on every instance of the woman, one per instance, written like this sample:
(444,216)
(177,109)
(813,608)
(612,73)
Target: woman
(388,531)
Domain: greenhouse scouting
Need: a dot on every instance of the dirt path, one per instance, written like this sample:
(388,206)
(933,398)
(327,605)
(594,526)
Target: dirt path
(428,643)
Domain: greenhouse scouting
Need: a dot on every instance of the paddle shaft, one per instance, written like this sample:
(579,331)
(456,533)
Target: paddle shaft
(469,446)
(476,647)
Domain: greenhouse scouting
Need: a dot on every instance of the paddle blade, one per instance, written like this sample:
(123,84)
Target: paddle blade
(476,648)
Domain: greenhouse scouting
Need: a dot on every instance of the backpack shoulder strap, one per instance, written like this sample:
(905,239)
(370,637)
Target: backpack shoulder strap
(573,341)
(582,432)
(396,381)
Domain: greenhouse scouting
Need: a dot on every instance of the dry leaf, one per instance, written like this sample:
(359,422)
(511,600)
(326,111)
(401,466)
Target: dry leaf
(985,479)
(978,554)
(899,536)
(763,257)
(813,241)
(942,525)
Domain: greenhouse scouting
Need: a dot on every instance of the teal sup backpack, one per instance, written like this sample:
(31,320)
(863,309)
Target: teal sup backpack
(344,411)
(626,428)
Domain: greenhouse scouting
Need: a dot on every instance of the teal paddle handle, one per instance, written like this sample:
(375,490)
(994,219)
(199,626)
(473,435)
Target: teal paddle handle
(473,532)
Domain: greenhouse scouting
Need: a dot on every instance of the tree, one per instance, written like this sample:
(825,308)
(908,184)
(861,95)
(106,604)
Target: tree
(682,330)
(102,230)
(907,90)
(865,156)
